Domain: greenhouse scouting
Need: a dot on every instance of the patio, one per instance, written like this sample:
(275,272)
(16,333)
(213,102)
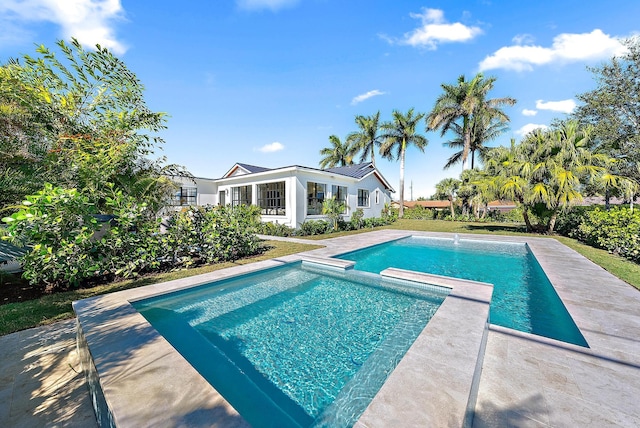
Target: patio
(525,380)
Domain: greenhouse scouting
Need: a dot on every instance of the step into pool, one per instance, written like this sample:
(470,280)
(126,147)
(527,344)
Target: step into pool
(297,345)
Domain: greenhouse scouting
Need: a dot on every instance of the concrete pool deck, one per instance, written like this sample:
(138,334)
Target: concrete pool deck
(526,380)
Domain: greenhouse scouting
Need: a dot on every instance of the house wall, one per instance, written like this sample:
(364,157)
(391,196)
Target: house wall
(209,191)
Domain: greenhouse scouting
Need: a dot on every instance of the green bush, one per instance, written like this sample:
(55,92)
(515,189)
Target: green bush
(355,222)
(314,227)
(57,224)
(616,230)
(419,213)
(211,234)
(275,229)
(569,221)
(70,246)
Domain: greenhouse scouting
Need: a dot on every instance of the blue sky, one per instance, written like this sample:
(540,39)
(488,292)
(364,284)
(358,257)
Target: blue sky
(266,82)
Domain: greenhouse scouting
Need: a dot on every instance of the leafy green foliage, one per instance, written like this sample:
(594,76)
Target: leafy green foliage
(419,213)
(333,209)
(547,172)
(275,229)
(314,227)
(339,154)
(356,220)
(465,110)
(366,140)
(58,224)
(78,119)
(613,109)
(616,230)
(70,246)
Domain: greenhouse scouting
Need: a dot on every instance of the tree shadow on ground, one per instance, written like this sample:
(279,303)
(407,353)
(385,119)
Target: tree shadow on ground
(529,412)
(47,384)
(496,228)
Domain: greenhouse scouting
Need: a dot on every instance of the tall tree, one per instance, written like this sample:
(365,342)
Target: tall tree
(29,124)
(613,109)
(339,154)
(100,133)
(397,136)
(548,170)
(366,140)
(483,130)
(448,188)
(460,103)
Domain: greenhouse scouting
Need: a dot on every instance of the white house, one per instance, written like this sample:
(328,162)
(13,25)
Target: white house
(293,194)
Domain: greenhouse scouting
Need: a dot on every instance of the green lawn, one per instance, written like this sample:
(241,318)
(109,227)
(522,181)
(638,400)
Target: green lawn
(55,307)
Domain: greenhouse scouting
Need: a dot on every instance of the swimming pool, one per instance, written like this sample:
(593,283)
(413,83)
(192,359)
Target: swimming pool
(295,345)
(523,298)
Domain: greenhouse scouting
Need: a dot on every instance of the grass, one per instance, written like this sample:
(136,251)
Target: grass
(57,306)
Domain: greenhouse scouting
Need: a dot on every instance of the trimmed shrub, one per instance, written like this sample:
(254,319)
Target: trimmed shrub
(274,229)
(419,213)
(314,227)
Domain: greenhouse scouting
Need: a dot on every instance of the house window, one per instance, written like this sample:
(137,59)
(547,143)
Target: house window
(271,198)
(363,198)
(185,196)
(340,193)
(315,197)
(377,193)
(241,195)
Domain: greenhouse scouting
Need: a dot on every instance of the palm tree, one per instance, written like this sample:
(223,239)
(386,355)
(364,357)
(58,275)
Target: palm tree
(483,129)
(339,154)
(549,168)
(397,135)
(463,101)
(448,188)
(333,209)
(366,140)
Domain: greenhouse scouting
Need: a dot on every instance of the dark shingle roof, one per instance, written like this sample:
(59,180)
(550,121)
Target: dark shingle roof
(252,168)
(355,171)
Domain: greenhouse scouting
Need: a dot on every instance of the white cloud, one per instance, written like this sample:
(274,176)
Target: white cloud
(270,148)
(366,96)
(529,127)
(89,21)
(265,4)
(527,112)
(435,30)
(564,106)
(565,48)
(523,39)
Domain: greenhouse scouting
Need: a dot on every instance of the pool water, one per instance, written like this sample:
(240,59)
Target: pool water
(523,298)
(297,345)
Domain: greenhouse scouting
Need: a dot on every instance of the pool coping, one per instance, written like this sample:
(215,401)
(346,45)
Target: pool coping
(526,380)
(132,371)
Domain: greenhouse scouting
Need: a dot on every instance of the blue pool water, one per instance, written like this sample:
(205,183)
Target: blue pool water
(523,298)
(297,345)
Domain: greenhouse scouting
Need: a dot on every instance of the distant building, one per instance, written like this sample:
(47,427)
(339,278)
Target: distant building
(437,205)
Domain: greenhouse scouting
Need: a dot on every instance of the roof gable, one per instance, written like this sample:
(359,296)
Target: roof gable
(243,169)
